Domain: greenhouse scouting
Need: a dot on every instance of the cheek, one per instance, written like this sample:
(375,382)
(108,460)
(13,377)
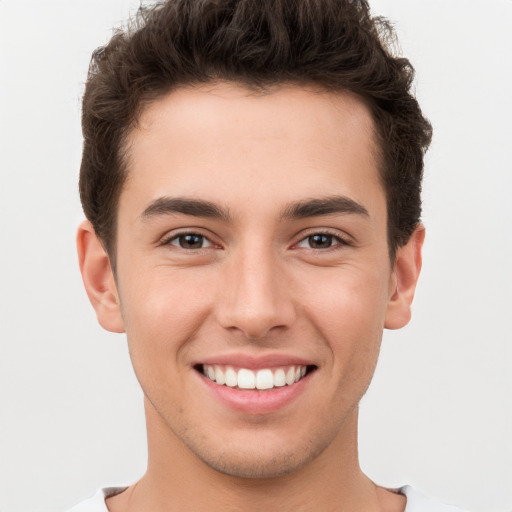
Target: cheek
(353,298)
(349,312)
(162,311)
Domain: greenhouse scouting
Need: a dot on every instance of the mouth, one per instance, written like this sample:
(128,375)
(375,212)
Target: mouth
(262,379)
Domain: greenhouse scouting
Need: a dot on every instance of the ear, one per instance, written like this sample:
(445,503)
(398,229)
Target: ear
(403,284)
(98,278)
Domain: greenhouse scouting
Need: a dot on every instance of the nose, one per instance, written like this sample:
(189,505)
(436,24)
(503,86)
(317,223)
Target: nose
(255,296)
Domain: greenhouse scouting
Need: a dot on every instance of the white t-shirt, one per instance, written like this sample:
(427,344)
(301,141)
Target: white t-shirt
(416,502)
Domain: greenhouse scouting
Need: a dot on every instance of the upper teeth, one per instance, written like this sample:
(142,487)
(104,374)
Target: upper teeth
(254,379)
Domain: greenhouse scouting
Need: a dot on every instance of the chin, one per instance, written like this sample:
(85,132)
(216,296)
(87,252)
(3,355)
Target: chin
(257,462)
(256,467)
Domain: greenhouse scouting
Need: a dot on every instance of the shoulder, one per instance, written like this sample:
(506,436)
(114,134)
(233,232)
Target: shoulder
(417,502)
(97,502)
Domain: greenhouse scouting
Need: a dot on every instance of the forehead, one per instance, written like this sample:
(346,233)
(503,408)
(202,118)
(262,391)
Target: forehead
(224,141)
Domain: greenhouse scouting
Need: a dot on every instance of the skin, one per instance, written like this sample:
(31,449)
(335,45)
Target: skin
(257,284)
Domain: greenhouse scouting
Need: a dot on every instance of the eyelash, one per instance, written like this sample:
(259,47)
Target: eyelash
(336,240)
(176,237)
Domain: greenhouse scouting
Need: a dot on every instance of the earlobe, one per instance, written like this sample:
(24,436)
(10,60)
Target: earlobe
(98,278)
(406,273)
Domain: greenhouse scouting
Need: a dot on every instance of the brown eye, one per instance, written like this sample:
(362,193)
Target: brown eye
(320,241)
(190,241)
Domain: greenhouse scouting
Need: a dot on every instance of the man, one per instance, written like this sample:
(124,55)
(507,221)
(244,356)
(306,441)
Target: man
(251,178)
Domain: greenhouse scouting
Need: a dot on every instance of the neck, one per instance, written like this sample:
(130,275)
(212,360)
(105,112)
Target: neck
(176,480)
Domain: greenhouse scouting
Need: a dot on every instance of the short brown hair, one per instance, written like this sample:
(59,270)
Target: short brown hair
(335,44)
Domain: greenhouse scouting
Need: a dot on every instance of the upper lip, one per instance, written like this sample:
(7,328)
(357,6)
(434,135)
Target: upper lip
(255,362)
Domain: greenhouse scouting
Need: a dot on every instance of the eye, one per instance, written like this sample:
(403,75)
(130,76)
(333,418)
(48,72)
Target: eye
(321,241)
(190,241)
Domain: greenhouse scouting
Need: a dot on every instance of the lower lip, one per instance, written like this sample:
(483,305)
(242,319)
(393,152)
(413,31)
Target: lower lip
(256,401)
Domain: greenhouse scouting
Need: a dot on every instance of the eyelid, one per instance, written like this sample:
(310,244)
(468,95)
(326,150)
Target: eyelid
(206,242)
(342,238)
(175,234)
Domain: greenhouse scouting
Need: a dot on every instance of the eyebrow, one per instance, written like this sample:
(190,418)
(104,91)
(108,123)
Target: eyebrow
(298,210)
(185,206)
(324,206)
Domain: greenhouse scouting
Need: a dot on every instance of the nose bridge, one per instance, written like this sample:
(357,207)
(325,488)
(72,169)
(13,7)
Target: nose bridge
(255,299)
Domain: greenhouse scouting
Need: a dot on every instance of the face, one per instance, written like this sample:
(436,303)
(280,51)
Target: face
(253,272)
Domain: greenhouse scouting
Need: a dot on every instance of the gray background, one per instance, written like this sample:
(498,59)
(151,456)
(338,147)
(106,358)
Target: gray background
(439,413)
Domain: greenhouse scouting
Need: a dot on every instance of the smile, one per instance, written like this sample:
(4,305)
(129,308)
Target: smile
(262,379)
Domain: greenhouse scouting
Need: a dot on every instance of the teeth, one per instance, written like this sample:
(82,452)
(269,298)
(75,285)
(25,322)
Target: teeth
(249,379)
(279,378)
(246,379)
(290,376)
(231,377)
(264,379)
(219,376)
